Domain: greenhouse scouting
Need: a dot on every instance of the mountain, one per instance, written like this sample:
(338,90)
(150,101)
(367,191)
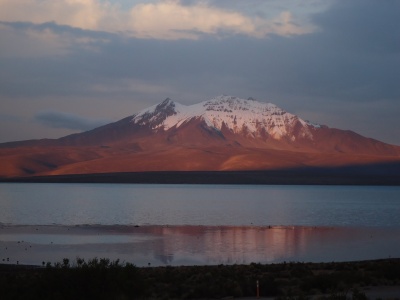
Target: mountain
(222,134)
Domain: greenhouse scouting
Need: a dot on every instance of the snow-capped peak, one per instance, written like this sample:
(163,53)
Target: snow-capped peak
(248,117)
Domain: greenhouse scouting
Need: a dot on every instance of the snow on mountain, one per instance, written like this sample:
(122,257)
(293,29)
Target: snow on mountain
(241,116)
(221,134)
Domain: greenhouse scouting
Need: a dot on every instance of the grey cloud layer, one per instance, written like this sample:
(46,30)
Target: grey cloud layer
(351,63)
(347,57)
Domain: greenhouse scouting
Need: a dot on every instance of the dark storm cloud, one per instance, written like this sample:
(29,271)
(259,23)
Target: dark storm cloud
(55,119)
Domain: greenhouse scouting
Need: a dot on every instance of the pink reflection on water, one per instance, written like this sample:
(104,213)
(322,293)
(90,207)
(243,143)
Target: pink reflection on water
(197,245)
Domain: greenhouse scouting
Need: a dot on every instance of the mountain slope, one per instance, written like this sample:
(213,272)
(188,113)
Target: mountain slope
(224,133)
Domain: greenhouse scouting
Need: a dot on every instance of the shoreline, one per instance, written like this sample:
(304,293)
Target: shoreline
(165,245)
(165,261)
(381,174)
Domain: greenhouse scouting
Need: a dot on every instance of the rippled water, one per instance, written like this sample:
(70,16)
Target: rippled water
(235,205)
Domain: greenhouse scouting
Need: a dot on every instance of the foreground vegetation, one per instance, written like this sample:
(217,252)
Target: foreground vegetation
(105,279)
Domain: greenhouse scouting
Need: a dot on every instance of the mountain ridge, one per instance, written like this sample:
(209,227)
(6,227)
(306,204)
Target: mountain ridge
(221,134)
(236,114)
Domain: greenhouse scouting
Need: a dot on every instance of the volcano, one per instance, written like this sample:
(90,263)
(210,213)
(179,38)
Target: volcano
(221,134)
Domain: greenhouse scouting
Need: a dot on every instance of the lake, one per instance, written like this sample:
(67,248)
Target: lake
(236,205)
(197,224)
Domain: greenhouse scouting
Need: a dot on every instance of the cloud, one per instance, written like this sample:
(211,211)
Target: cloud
(348,67)
(24,39)
(85,14)
(172,20)
(55,119)
(162,19)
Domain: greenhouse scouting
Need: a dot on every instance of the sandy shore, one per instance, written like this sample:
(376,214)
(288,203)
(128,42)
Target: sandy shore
(195,245)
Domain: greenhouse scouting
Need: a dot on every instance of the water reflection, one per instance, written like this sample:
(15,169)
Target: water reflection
(197,245)
(243,245)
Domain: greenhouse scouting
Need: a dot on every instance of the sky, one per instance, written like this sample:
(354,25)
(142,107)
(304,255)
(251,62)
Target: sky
(68,66)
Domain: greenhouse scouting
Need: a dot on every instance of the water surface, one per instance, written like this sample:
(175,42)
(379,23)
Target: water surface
(129,204)
(196,245)
(197,224)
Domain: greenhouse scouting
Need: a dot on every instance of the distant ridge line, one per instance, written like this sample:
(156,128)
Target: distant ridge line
(381,174)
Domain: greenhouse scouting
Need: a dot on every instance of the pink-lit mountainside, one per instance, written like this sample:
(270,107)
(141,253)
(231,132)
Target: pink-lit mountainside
(222,134)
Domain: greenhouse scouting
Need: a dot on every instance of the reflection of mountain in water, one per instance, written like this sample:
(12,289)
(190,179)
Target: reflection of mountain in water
(201,245)
(191,245)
